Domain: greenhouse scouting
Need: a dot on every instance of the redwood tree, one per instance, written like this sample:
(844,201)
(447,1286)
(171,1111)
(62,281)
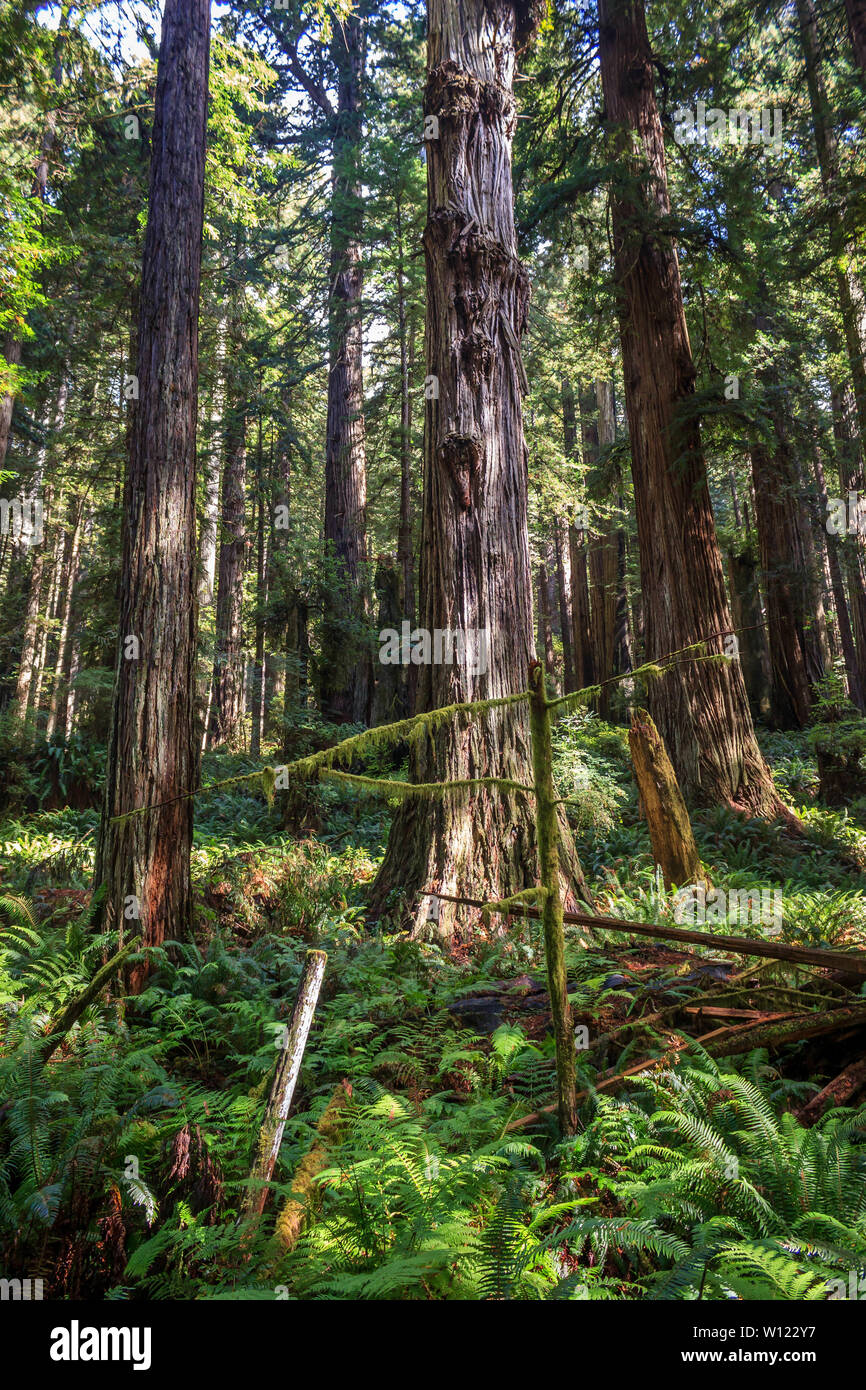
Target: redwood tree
(226,714)
(345,678)
(700,707)
(474,571)
(144,861)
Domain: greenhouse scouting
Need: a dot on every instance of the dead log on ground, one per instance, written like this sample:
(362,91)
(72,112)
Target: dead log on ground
(283,1086)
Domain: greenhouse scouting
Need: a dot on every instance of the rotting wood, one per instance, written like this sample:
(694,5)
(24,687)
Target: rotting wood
(841,1089)
(723,1042)
(851,962)
(283,1085)
(75,1008)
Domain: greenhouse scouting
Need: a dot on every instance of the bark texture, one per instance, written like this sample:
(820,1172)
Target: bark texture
(856,13)
(474,568)
(701,708)
(345,675)
(673,842)
(144,861)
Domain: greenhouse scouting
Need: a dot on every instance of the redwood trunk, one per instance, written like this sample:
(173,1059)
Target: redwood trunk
(475,570)
(700,707)
(545,629)
(563,593)
(345,673)
(786,578)
(581,640)
(227,704)
(843,245)
(144,861)
(856,12)
(603,569)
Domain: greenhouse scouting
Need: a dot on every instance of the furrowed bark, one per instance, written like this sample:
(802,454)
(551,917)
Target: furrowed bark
(345,672)
(563,579)
(670,829)
(474,568)
(701,708)
(226,715)
(144,860)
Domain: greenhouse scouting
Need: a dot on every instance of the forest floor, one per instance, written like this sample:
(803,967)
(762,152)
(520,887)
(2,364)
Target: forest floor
(123,1160)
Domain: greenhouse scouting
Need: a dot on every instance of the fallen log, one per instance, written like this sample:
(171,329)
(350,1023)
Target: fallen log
(836,1092)
(725,1011)
(725,1042)
(851,962)
(75,1008)
(283,1086)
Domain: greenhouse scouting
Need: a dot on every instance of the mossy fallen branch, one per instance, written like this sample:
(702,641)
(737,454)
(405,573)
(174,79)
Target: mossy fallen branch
(381,786)
(506,905)
(75,1008)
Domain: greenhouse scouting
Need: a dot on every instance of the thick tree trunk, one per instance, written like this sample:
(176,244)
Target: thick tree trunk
(563,594)
(622,641)
(840,598)
(71,689)
(581,633)
(225,723)
(856,13)
(29,643)
(258,694)
(345,669)
(475,571)
(406,559)
(389,698)
(38,190)
(581,637)
(210,517)
(784,563)
(843,245)
(603,568)
(50,617)
(751,633)
(851,478)
(30,638)
(144,861)
(700,707)
(545,629)
(405,552)
(70,579)
(281,591)
(671,836)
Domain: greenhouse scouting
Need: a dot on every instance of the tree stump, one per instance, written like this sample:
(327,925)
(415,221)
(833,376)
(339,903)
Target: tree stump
(673,842)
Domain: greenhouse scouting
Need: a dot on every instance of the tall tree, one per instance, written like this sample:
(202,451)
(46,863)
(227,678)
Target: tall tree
(144,860)
(701,707)
(225,723)
(345,675)
(475,571)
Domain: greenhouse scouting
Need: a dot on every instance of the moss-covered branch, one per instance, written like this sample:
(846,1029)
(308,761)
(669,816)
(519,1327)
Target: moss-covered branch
(382,786)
